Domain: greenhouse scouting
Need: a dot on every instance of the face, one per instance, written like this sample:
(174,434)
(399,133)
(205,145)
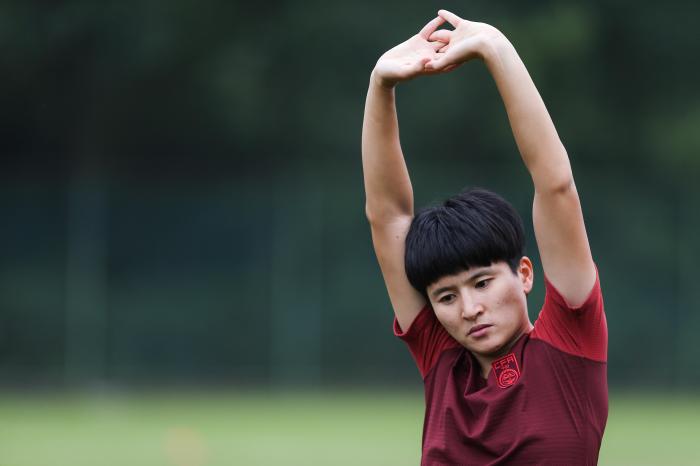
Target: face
(484,308)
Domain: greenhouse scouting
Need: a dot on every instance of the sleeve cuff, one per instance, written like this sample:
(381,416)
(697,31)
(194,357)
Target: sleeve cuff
(418,324)
(554,294)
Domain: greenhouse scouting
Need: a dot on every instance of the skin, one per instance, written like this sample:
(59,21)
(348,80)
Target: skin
(557,216)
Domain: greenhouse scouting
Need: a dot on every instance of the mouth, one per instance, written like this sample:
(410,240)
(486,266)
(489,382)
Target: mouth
(479,330)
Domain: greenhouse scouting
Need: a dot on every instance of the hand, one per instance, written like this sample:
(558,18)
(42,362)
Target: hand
(407,60)
(466,41)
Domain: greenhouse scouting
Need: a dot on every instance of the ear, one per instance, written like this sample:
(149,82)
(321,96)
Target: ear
(526,273)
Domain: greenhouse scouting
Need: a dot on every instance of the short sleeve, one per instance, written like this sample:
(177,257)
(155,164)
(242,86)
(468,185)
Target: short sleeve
(426,339)
(581,331)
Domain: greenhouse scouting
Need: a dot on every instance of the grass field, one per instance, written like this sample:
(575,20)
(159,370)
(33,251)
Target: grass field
(306,429)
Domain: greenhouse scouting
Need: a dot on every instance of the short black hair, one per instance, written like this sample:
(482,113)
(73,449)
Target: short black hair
(476,227)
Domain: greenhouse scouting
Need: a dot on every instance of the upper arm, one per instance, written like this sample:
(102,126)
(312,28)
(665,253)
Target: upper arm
(389,239)
(562,241)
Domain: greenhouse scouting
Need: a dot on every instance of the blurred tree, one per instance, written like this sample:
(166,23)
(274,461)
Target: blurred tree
(189,172)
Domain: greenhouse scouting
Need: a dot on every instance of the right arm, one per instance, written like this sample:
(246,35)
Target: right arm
(389,196)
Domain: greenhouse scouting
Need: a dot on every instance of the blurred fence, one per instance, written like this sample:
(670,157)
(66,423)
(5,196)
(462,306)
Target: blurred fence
(182,197)
(239,282)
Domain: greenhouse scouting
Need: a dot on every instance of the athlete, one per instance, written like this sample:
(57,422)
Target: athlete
(498,389)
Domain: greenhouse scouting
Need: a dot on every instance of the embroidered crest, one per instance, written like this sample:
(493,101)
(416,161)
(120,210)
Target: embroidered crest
(506,370)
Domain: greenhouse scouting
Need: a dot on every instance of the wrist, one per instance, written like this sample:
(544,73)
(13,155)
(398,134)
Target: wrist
(378,81)
(494,45)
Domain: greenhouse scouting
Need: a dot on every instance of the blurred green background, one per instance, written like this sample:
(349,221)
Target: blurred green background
(185,258)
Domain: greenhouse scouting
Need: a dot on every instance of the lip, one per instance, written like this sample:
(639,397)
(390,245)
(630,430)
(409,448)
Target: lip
(479,330)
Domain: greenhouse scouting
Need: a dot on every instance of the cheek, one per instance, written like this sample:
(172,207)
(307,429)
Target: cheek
(445,316)
(513,299)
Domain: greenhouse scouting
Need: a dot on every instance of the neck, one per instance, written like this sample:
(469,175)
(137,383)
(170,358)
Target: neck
(485,360)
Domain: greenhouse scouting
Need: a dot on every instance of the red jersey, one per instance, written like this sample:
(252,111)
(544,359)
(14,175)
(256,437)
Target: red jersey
(546,402)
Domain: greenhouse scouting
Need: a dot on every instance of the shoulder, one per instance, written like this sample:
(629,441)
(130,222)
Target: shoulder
(578,330)
(426,338)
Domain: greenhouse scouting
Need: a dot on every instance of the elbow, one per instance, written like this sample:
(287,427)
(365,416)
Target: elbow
(559,182)
(563,186)
(383,215)
(561,190)
(551,172)
(369,213)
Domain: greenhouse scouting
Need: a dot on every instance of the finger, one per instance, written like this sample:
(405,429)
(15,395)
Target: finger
(419,65)
(443,35)
(436,46)
(440,62)
(450,17)
(443,49)
(431,27)
(457,53)
(446,69)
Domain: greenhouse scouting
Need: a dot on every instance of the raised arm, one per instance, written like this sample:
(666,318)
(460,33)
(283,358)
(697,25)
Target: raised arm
(389,196)
(557,216)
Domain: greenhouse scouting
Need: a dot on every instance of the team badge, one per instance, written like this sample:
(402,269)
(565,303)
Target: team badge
(506,370)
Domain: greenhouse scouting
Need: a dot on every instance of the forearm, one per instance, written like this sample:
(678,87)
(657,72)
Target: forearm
(387,184)
(536,137)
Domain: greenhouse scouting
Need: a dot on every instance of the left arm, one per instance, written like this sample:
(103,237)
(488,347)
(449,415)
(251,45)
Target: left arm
(557,215)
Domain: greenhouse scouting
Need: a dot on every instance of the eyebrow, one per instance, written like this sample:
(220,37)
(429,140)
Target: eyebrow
(471,278)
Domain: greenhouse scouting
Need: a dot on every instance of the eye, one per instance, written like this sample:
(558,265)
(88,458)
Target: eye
(482,283)
(446,299)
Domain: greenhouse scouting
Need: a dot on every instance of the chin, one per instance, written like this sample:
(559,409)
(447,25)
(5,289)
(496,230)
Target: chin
(489,348)
(486,349)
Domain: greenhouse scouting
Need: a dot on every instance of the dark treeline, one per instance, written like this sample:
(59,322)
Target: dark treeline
(182,190)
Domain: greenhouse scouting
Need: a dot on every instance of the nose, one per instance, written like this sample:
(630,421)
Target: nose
(471,307)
